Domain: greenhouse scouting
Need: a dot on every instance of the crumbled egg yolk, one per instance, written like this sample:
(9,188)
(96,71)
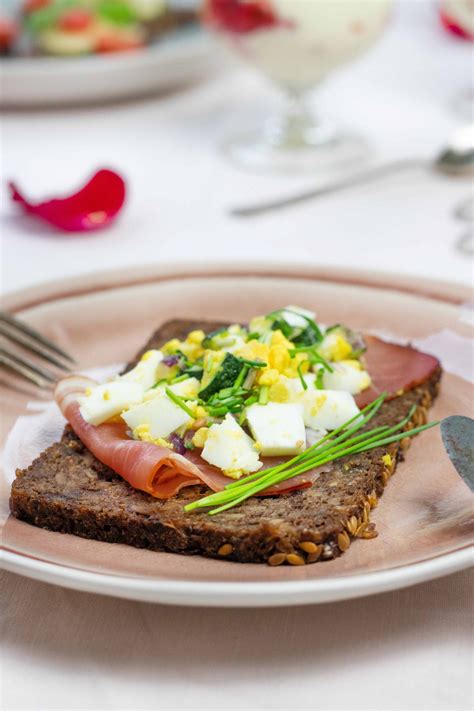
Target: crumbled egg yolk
(278,339)
(387,460)
(196,337)
(300,362)
(356,364)
(191,346)
(254,350)
(335,347)
(279,392)
(278,388)
(147,355)
(106,395)
(171,347)
(276,355)
(142,432)
(199,439)
(269,376)
(200,412)
(233,473)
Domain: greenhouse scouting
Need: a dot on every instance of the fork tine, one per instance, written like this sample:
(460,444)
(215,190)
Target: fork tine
(21,326)
(27,342)
(41,377)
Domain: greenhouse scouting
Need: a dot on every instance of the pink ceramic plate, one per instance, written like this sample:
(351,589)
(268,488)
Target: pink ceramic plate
(425,516)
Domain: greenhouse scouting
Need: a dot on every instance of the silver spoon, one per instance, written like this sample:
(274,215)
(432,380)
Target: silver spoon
(457,159)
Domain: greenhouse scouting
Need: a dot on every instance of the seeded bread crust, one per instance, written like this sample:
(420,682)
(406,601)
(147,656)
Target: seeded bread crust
(67,489)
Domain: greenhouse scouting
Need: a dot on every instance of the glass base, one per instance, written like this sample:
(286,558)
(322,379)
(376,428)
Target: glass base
(315,150)
(464,105)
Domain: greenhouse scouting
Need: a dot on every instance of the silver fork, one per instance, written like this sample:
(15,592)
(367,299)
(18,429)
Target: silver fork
(16,332)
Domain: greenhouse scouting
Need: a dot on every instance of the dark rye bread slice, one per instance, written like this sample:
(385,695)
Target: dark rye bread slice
(67,489)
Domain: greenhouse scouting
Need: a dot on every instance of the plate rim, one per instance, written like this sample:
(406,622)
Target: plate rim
(67,66)
(253,594)
(232,594)
(449,292)
(42,82)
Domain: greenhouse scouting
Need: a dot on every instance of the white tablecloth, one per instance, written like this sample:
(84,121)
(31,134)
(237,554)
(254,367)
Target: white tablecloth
(403,650)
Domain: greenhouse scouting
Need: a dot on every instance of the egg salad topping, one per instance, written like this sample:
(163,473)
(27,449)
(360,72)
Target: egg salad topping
(239,393)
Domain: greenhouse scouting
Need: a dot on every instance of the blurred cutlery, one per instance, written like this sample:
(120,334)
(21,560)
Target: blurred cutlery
(12,330)
(457,433)
(456,159)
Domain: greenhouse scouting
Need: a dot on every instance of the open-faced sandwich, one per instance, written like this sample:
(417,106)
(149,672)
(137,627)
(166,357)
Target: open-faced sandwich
(266,442)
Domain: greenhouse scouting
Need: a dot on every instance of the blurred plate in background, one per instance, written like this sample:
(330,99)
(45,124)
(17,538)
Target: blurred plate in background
(44,81)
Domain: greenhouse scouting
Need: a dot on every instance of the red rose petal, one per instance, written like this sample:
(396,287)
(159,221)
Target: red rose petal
(241,17)
(453,26)
(95,206)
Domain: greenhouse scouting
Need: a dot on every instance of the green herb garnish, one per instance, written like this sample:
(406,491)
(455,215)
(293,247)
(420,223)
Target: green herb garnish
(180,402)
(179,379)
(310,335)
(263,395)
(253,363)
(301,377)
(313,356)
(319,379)
(339,443)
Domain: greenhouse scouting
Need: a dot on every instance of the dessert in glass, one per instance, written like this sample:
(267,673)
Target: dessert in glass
(296,43)
(457,17)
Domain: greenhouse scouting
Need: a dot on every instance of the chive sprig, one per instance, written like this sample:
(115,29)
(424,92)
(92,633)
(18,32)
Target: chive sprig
(341,442)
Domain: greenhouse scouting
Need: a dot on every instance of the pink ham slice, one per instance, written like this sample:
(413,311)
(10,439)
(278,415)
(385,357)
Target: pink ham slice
(302,481)
(394,368)
(156,470)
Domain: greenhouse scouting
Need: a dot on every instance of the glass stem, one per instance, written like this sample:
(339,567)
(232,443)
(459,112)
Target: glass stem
(297,126)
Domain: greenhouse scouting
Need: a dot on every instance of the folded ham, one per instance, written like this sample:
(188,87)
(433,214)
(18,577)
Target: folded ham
(394,369)
(146,466)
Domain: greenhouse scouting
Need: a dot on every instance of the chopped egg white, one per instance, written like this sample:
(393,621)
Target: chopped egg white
(161,415)
(296,386)
(278,428)
(327,409)
(313,436)
(187,389)
(293,315)
(346,375)
(109,399)
(237,343)
(228,447)
(145,372)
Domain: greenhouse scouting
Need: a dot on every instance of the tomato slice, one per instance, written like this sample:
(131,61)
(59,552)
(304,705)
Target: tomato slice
(76,19)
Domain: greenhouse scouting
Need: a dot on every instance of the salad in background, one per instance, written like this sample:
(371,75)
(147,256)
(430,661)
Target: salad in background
(82,27)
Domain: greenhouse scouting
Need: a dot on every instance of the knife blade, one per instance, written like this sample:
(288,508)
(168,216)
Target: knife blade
(457,433)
